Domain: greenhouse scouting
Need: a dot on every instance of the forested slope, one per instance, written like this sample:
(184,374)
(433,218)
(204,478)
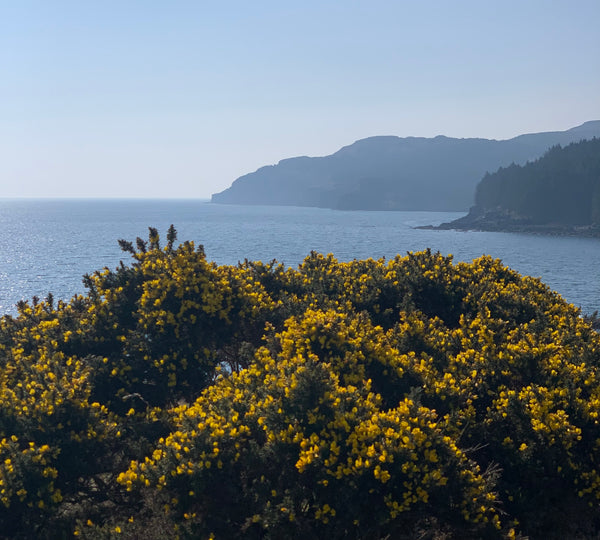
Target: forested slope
(561,187)
(558,194)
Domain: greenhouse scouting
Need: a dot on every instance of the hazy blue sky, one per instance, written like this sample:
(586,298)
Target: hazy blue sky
(177,99)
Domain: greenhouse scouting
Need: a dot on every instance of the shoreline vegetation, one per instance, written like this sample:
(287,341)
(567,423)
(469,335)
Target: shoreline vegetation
(370,399)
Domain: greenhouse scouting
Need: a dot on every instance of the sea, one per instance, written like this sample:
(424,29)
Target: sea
(47,245)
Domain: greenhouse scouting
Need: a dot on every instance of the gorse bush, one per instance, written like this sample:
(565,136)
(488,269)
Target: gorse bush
(369,399)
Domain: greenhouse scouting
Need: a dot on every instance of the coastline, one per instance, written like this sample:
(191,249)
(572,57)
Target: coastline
(500,220)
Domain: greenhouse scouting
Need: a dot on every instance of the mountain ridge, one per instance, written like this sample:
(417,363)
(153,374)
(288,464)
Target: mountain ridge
(387,172)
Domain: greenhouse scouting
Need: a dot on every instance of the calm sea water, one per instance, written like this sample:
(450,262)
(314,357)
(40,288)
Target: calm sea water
(47,245)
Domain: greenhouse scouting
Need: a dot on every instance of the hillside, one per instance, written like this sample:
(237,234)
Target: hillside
(559,192)
(393,173)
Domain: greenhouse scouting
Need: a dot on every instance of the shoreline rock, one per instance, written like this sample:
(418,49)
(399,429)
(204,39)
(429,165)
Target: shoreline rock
(502,220)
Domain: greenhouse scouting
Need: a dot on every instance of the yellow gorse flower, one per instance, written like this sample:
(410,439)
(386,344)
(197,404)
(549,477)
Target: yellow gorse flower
(292,399)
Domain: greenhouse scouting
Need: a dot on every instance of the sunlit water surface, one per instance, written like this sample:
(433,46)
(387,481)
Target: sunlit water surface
(47,245)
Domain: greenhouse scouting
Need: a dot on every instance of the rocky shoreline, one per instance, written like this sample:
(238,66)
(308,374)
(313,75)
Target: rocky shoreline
(502,220)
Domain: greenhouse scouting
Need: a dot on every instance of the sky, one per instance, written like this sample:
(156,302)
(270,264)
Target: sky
(145,98)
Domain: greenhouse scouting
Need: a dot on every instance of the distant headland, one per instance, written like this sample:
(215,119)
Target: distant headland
(393,173)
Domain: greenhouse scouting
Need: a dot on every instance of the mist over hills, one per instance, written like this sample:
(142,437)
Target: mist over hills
(394,173)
